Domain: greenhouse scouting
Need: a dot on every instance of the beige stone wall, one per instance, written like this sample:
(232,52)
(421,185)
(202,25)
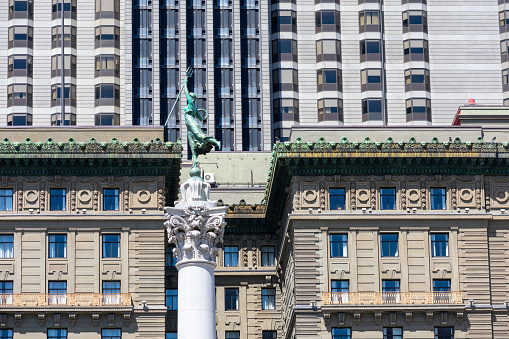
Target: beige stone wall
(250,277)
(140,269)
(466,194)
(31,195)
(476,265)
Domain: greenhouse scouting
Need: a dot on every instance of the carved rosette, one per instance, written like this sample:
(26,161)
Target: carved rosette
(196,232)
(487,196)
(322,195)
(403,195)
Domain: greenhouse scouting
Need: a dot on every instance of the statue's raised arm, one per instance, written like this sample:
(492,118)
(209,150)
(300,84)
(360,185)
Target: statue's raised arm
(199,142)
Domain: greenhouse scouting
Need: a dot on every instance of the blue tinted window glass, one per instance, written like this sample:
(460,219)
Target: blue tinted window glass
(338,245)
(327,17)
(59,333)
(172,299)
(57,199)
(57,246)
(341,333)
(373,47)
(440,244)
(444,333)
(111,199)
(339,286)
(389,244)
(231,256)
(387,197)
(111,245)
(111,333)
(437,195)
(6,334)
(231,301)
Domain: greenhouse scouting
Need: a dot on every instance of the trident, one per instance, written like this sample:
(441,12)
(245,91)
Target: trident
(189,73)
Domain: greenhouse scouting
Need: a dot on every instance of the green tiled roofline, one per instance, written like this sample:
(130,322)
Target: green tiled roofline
(93,158)
(299,158)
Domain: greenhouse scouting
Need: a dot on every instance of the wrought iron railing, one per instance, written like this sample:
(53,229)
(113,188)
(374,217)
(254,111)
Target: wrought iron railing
(65,299)
(383,298)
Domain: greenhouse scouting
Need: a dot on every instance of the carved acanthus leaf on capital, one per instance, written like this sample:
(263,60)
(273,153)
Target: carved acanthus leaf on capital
(196,233)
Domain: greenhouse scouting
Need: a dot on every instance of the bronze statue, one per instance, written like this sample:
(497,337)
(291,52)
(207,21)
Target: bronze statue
(199,142)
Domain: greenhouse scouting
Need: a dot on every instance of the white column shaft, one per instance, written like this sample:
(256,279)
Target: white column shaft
(196,300)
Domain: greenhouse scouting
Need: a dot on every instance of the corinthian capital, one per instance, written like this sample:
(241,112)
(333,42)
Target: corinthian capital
(195,230)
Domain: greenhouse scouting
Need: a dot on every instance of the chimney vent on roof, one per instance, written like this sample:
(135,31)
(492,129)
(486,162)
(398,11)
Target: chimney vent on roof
(471,101)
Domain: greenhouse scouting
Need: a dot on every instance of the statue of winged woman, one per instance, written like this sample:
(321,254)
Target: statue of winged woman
(199,142)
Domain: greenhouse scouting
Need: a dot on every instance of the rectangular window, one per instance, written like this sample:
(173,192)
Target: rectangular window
(268,298)
(5,293)
(269,334)
(341,333)
(389,244)
(20,65)
(57,333)
(437,198)
(370,50)
(268,255)
(338,245)
(418,109)
(371,109)
(231,256)
(172,299)
(111,333)
(340,289)
(329,80)
(57,199)
(369,21)
(111,245)
(393,333)
(7,334)
(6,246)
(337,198)
(57,246)
(417,79)
(444,333)
(111,292)
(6,199)
(415,21)
(441,291)
(328,50)
(171,335)
(57,292)
(327,21)
(231,299)
(390,291)
(440,244)
(171,261)
(387,198)
(371,80)
(415,50)
(110,202)
(232,335)
(330,110)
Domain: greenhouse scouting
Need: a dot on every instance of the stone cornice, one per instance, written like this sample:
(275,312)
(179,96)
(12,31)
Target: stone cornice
(92,158)
(344,158)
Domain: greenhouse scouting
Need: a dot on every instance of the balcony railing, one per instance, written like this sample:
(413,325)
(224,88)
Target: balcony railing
(65,299)
(390,298)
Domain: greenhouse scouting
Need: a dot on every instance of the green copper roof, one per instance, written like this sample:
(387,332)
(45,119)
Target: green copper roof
(372,158)
(93,159)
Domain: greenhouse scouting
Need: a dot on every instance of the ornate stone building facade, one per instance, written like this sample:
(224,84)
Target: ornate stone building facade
(370,239)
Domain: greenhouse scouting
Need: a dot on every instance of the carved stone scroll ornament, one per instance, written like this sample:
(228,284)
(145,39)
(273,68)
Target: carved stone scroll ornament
(196,233)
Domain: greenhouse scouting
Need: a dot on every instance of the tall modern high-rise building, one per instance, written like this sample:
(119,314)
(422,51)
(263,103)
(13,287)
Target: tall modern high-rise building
(260,67)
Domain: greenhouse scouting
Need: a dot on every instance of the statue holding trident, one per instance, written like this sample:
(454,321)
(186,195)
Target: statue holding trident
(199,142)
